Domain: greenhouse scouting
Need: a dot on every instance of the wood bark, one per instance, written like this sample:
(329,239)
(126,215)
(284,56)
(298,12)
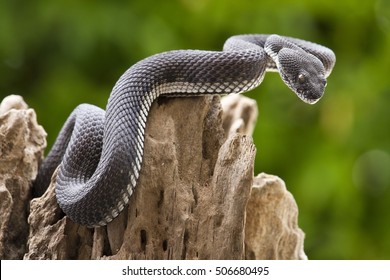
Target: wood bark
(195,197)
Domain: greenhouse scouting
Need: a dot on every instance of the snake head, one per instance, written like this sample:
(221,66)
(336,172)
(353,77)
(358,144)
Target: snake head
(303,73)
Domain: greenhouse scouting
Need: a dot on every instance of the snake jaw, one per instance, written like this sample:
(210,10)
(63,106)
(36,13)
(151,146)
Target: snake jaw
(309,90)
(307,100)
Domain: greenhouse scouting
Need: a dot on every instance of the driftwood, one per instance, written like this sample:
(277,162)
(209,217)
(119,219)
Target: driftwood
(196,198)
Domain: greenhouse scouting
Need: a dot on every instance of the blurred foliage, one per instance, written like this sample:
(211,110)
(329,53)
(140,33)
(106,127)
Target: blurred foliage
(334,156)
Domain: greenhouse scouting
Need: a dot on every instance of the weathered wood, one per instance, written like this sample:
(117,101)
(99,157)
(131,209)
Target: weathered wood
(191,201)
(271,229)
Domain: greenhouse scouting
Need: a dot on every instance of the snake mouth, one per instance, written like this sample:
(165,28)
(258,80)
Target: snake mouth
(306,97)
(308,100)
(311,92)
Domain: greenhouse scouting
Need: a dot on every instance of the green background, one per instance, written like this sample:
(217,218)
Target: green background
(333,156)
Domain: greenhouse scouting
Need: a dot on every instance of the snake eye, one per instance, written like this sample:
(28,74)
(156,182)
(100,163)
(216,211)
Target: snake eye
(301,78)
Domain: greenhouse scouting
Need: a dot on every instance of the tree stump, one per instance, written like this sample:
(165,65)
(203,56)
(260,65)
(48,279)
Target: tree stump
(195,197)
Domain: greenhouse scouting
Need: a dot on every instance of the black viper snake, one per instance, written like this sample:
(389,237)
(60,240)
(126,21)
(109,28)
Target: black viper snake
(101,152)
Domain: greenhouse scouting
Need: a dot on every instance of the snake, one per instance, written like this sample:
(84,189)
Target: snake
(99,152)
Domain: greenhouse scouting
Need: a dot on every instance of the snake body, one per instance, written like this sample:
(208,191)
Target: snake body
(101,152)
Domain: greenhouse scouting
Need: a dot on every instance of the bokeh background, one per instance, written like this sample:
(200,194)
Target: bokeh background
(334,156)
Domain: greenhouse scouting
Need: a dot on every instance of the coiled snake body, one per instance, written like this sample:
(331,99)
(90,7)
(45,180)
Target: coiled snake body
(101,151)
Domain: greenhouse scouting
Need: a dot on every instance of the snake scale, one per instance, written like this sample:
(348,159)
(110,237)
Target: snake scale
(100,152)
